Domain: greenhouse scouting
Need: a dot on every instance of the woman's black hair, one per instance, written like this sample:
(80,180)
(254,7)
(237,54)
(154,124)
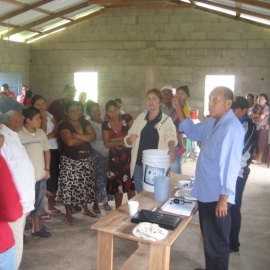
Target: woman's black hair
(111,103)
(185,89)
(35,98)
(30,112)
(265,96)
(90,105)
(70,103)
(29,93)
(79,104)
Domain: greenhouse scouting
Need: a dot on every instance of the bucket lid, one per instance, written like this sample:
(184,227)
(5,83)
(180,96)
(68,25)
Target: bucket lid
(155,153)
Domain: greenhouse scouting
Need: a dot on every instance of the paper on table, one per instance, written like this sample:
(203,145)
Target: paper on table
(179,209)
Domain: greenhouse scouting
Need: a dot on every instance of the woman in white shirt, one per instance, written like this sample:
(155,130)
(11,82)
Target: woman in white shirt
(50,126)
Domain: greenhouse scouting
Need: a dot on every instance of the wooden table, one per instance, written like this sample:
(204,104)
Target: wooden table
(149,255)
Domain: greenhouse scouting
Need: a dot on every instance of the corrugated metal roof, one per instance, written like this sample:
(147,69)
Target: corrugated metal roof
(59,5)
(22,19)
(25,18)
(51,24)
(256,9)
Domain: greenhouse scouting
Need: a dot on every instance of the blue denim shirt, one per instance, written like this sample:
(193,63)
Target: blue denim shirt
(219,161)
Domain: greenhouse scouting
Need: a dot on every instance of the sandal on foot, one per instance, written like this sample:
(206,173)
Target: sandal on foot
(46,218)
(90,214)
(107,206)
(96,210)
(54,212)
(69,221)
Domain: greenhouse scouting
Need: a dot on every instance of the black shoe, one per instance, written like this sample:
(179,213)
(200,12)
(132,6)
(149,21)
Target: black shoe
(234,250)
(24,240)
(42,233)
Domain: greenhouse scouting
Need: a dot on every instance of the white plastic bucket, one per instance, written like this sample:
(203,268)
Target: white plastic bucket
(155,162)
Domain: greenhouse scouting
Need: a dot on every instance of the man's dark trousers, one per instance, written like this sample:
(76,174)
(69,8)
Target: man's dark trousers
(236,213)
(216,236)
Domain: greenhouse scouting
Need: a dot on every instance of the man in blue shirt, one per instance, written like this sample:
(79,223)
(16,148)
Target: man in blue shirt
(218,166)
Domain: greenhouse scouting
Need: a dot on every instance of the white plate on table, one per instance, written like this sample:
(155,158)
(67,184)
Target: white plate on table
(186,193)
(185,184)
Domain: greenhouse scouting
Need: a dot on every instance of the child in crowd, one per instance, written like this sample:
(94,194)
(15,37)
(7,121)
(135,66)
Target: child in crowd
(37,147)
(120,104)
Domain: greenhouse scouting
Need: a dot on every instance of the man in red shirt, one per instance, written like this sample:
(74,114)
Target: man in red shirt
(5,88)
(11,210)
(57,107)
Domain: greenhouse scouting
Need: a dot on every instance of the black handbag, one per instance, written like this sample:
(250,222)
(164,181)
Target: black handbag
(163,220)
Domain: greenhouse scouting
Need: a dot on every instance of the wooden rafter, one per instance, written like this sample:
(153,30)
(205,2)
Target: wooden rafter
(43,20)
(256,3)
(68,24)
(237,9)
(129,8)
(24,9)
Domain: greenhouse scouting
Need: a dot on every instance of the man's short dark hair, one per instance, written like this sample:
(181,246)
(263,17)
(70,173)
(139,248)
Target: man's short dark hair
(5,85)
(250,95)
(30,113)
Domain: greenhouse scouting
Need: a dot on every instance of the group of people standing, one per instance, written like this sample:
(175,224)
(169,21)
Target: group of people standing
(99,158)
(259,113)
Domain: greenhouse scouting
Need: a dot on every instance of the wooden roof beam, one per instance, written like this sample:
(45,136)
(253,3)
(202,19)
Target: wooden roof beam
(107,2)
(128,8)
(24,9)
(46,19)
(238,9)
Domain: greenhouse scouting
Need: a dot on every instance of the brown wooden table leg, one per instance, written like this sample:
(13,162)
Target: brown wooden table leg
(159,257)
(105,251)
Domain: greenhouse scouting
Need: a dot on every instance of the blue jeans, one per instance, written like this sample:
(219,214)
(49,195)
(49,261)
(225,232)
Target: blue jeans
(176,166)
(138,178)
(40,191)
(8,259)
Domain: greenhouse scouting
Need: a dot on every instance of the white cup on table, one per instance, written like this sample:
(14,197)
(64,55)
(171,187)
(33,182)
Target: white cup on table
(133,207)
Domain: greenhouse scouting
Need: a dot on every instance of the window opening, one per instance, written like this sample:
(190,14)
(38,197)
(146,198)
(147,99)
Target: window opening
(86,82)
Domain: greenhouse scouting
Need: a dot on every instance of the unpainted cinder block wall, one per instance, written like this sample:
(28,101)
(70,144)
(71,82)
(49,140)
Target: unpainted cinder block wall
(134,51)
(15,58)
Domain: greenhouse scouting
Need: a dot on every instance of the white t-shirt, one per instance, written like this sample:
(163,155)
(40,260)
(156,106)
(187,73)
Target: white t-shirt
(50,128)
(20,167)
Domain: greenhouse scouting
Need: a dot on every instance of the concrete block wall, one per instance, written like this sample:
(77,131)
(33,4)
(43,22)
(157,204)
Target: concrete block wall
(15,58)
(134,51)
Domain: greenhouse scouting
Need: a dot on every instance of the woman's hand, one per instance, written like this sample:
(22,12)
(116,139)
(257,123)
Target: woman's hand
(47,175)
(171,153)
(2,140)
(74,136)
(132,138)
